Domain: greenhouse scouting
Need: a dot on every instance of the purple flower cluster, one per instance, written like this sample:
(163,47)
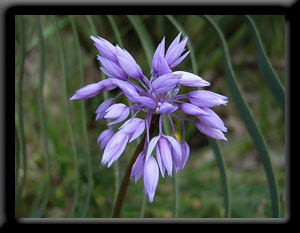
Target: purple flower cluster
(157,95)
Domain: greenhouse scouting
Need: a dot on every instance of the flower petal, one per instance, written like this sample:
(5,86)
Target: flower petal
(138,166)
(113,70)
(114,145)
(123,116)
(167,108)
(212,120)
(162,66)
(192,109)
(176,151)
(115,111)
(160,164)
(131,125)
(151,145)
(138,132)
(185,149)
(205,98)
(190,79)
(173,54)
(166,82)
(211,132)
(151,174)
(165,153)
(148,102)
(179,60)
(93,89)
(159,52)
(119,152)
(173,44)
(104,137)
(103,107)
(106,49)
(130,69)
(129,90)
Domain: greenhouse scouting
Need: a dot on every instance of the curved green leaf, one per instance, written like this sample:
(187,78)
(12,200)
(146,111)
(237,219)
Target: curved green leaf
(248,119)
(265,65)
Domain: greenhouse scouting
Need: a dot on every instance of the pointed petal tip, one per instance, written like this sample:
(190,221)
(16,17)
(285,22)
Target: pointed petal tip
(73,97)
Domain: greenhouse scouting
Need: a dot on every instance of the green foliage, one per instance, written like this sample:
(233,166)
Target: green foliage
(57,159)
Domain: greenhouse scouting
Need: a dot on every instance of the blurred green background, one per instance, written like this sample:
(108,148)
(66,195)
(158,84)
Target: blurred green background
(58,170)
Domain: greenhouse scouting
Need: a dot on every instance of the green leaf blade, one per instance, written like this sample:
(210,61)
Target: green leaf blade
(248,119)
(265,65)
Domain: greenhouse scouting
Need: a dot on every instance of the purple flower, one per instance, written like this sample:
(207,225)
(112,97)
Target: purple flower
(162,62)
(157,94)
(112,69)
(185,152)
(119,111)
(115,147)
(100,112)
(104,137)
(204,98)
(138,166)
(93,89)
(192,80)
(134,127)
(151,175)
(128,64)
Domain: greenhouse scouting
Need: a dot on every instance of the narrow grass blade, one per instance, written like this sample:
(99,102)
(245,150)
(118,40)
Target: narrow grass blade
(92,24)
(115,30)
(48,31)
(84,127)
(216,56)
(84,122)
(214,144)
(248,119)
(62,60)
(221,165)
(20,109)
(43,204)
(144,36)
(265,65)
